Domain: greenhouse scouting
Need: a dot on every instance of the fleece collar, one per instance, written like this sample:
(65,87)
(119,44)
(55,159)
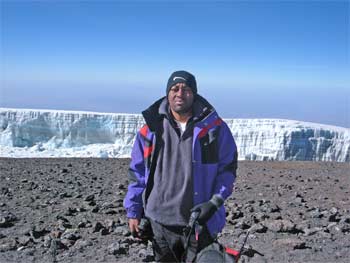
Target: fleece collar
(160,109)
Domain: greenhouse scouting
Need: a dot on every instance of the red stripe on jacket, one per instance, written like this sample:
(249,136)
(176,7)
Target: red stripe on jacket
(144,131)
(205,130)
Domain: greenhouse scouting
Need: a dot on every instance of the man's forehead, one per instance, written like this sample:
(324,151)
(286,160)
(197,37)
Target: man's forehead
(180,85)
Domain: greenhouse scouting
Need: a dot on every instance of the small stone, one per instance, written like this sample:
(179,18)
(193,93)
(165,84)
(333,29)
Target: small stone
(82,244)
(274,209)
(91,203)
(78,195)
(333,210)
(259,216)
(21,248)
(236,214)
(121,230)
(7,219)
(249,209)
(7,244)
(345,220)
(334,215)
(63,225)
(311,231)
(291,243)
(316,213)
(63,195)
(89,198)
(121,186)
(80,209)
(146,254)
(111,212)
(29,251)
(142,253)
(95,209)
(107,205)
(298,195)
(67,242)
(280,225)
(70,211)
(38,232)
(97,227)
(47,241)
(57,244)
(243,225)
(118,249)
(84,223)
(60,217)
(81,224)
(104,231)
(24,240)
(299,200)
(71,234)
(344,228)
(258,228)
(109,223)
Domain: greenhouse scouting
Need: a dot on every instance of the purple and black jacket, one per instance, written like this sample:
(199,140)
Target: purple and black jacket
(214,162)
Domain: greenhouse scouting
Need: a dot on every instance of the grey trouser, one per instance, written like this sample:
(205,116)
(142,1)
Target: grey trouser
(169,243)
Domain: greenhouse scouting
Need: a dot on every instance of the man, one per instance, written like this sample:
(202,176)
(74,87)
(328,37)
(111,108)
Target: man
(184,159)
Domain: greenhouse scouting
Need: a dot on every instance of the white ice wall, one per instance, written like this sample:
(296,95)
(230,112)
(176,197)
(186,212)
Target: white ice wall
(46,133)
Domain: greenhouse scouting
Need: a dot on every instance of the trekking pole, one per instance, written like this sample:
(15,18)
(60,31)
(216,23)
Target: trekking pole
(189,229)
(242,247)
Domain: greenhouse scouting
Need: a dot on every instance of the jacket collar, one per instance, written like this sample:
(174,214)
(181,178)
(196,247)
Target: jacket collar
(160,109)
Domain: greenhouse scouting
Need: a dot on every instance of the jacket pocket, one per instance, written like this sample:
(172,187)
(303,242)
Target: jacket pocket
(209,146)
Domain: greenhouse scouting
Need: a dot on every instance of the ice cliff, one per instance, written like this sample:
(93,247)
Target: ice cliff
(54,133)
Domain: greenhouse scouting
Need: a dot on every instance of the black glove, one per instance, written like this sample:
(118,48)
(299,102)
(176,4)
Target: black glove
(207,210)
(145,228)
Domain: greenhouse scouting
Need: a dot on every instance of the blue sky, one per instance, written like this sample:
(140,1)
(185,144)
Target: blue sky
(252,59)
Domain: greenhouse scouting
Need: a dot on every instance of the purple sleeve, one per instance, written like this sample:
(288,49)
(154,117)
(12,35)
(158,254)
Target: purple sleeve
(227,163)
(133,199)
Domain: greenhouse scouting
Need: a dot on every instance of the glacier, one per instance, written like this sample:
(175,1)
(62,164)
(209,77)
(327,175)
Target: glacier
(26,133)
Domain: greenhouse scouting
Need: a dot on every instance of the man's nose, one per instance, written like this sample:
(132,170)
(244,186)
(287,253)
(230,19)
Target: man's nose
(181,92)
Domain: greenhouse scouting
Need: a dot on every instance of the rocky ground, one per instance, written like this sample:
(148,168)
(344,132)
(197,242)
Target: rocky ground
(70,210)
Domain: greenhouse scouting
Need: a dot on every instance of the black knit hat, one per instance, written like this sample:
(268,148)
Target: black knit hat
(182,76)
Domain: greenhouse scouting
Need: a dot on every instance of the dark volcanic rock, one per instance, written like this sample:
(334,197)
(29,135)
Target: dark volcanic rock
(118,249)
(280,225)
(290,243)
(71,234)
(7,244)
(24,240)
(7,219)
(89,198)
(82,244)
(97,226)
(38,232)
(71,210)
(258,228)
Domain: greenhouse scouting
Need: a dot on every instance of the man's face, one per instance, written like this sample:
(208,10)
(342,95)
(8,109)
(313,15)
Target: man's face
(180,98)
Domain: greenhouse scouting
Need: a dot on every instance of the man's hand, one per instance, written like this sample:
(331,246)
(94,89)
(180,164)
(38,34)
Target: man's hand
(207,210)
(134,227)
